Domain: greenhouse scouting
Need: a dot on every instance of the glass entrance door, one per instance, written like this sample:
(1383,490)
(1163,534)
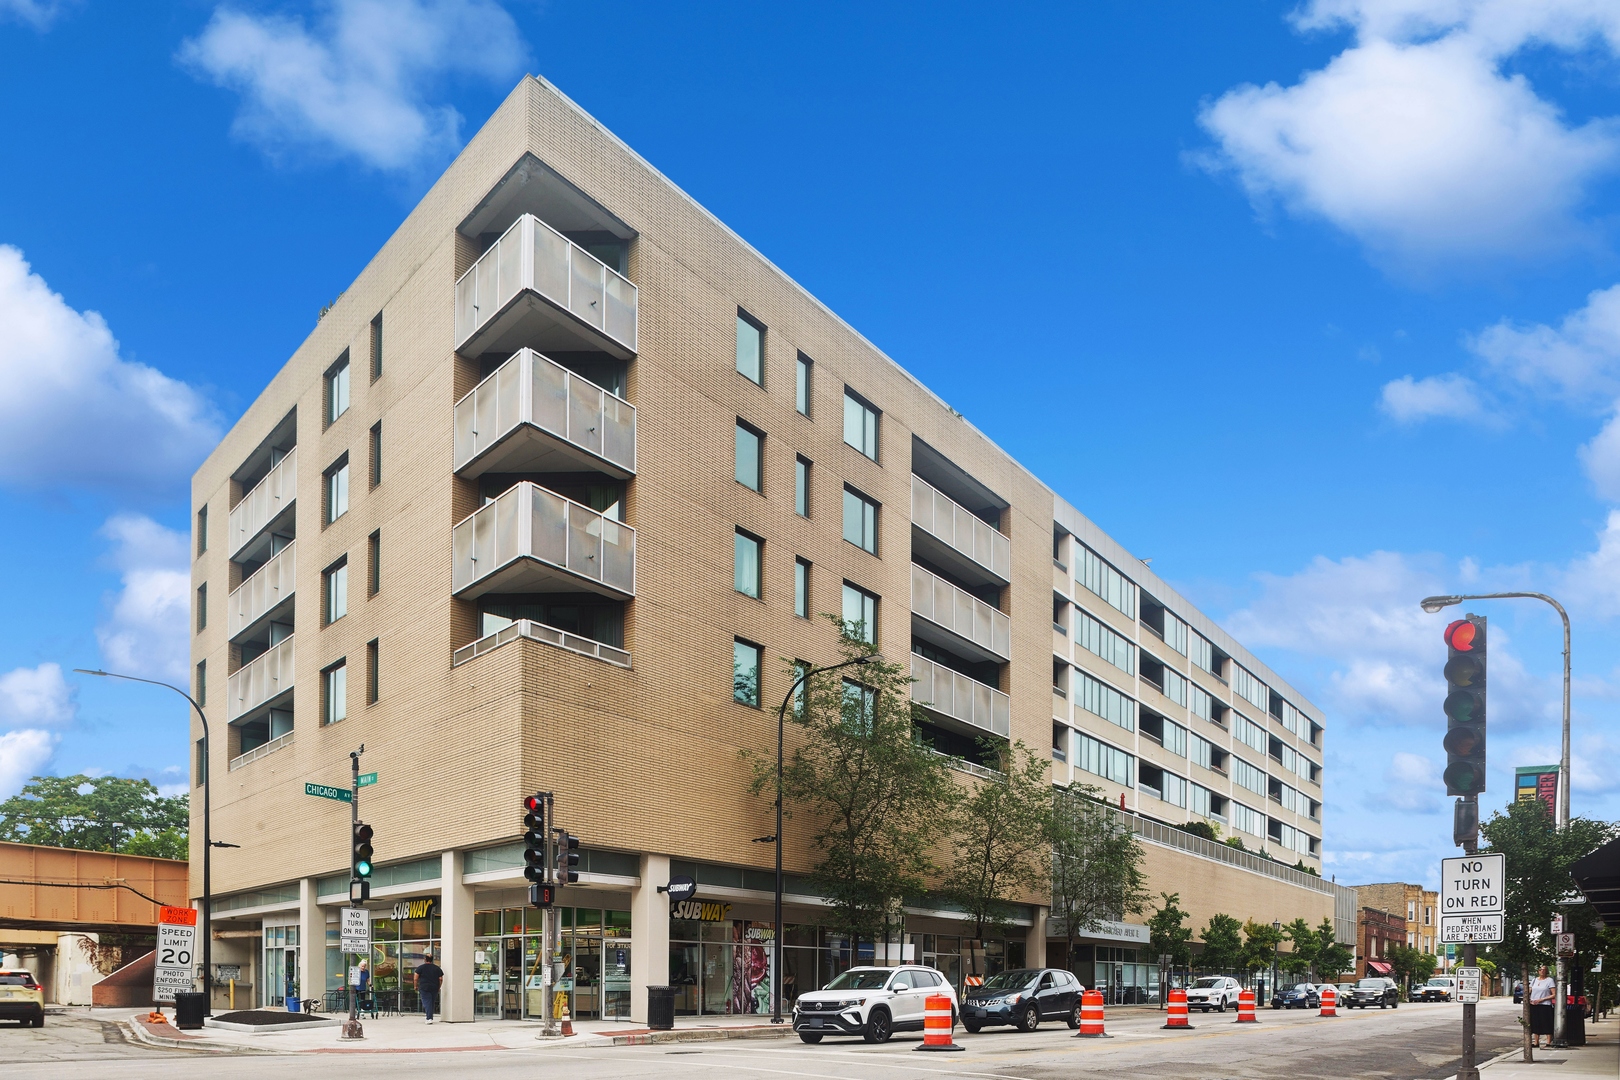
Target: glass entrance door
(512,979)
(486,978)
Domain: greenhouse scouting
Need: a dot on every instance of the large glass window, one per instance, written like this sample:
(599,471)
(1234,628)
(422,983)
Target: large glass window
(1175,738)
(750,454)
(335,693)
(1248,820)
(860,425)
(1175,687)
(801,588)
(1252,734)
(1103,700)
(337,491)
(337,389)
(1103,760)
(801,487)
(1251,689)
(1248,776)
(750,348)
(1102,579)
(801,388)
(1201,652)
(860,520)
(860,613)
(745,663)
(335,591)
(1099,639)
(1175,633)
(749,560)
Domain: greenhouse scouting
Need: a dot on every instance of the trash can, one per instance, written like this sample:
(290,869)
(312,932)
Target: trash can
(189,1010)
(661,1007)
(1575,1025)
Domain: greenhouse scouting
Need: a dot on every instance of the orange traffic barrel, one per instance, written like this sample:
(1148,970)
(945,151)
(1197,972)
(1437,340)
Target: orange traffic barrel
(937,1021)
(1330,1001)
(1246,1008)
(1091,1015)
(1177,1017)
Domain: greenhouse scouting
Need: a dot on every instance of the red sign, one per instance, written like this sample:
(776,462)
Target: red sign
(177,916)
(1547,791)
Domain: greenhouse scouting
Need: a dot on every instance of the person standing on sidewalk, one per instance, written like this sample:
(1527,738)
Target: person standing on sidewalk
(428,978)
(1542,990)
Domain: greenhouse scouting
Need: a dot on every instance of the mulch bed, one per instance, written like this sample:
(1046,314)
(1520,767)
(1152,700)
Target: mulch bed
(259,1018)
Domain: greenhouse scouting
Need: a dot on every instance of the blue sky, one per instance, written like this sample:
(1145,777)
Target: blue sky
(1310,304)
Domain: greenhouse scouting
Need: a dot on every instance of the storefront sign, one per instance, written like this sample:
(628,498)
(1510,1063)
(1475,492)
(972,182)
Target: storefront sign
(419,908)
(680,888)
(700,911)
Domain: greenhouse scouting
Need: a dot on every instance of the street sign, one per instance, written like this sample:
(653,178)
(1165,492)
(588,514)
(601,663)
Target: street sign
(356,931)
(325,792)
(174,969)
(1468,985)
(1471,890)
(1558,924)
(367,779)
(1566,945)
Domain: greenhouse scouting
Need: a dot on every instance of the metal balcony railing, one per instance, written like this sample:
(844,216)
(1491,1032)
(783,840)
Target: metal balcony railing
(268,499)
(531,389)
(937,514)
(532,256)
(267,587)
(260,751)
(260,680)
(956,695)
(960,612)
(539,631)
(528,522)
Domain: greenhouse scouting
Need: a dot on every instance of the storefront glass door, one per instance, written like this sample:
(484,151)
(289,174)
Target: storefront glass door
(486,978)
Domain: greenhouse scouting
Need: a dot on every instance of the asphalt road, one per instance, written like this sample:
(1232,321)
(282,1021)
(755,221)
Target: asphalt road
(1414,1042)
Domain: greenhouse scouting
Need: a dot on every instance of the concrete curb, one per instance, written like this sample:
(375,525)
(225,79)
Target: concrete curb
(686,1035)
(143,1034)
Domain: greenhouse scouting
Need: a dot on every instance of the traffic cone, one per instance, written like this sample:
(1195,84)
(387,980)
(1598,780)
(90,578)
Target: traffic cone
(1246,1008)
(1177,1017)
(1091,1016)
(1330,1002)
(937,1023)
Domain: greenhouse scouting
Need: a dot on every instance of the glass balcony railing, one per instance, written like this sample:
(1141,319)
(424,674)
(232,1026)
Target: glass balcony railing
(533,257)
(539,631)
(269,586)
(575,423)
(953,694)
(959,529)
(265,502)
(960,612)
(534,540)
(264,678)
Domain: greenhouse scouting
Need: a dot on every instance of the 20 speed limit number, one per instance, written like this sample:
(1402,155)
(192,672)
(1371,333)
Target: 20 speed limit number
(174,969)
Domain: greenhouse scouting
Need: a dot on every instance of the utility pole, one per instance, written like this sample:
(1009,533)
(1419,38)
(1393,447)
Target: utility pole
(352,1029)
(1468,813)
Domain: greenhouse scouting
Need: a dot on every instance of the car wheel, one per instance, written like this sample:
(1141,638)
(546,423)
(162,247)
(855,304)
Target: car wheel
(811,1037)
(971,1027)
(878,1026)
(1383,1004)
(1073,1019)
(1030,1018)
(1222,1006)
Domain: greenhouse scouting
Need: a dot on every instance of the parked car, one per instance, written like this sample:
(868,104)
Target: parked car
(1439,988)
(1298,996)
(1218,992)
(872,1002)
(21,998)
(1375,991)
(1023,998)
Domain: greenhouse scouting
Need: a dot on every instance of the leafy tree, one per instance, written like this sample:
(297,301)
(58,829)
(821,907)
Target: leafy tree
(1096,863)
(1223,947)
(1001,834)
(878,796)
(1333,958)
(102,813)
(1303,947)
(1410,965)
(1260,950)
(1167,934)
(1207,829)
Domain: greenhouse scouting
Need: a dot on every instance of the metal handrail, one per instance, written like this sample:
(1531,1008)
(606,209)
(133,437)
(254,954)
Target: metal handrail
(539,631)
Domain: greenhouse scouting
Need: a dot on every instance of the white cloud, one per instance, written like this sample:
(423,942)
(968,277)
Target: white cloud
(357,81)
(36,13)
(145,633)
(23,755)
(1579,358)
(1412,783)
(1408,400)
(1601,459)
(34,696)
(1414,141)
(72,411)
(1594,578)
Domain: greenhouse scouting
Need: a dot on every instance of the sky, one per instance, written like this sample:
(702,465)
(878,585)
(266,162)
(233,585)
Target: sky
(1316,305)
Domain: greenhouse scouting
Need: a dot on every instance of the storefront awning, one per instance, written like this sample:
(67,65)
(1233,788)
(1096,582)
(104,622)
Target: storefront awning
(1598,878)
(1380,966)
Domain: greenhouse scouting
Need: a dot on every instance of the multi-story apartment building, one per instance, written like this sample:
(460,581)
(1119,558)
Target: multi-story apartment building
(1377,932)
(550,498)
(1420,907)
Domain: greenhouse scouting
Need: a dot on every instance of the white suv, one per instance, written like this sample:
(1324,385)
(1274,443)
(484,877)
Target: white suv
(1213,992)
(872,1002)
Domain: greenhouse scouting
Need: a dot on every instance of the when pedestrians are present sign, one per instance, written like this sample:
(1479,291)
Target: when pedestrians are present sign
(356,933)
(1471,896)
(323,791)
(174,969)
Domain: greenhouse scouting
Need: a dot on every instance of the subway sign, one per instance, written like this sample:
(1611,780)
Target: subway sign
(700,911)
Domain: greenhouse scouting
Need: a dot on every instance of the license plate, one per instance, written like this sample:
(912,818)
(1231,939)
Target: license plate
(979,1012)
(815,1021)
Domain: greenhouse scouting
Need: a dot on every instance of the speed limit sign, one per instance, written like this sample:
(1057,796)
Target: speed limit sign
(174,967)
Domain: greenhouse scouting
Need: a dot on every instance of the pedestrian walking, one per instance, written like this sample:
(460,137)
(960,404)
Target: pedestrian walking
(428,978)
(1542,990)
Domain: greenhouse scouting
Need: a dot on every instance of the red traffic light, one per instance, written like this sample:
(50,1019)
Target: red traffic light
(1460,635)
(532,803)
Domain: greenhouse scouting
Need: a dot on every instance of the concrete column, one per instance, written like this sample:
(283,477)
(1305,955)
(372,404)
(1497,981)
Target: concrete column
(1035,942)
(311,942)
(456,940)
(649,934)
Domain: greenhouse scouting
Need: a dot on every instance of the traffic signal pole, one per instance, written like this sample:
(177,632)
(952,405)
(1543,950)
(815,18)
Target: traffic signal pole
(352,1029)
(1470,1057)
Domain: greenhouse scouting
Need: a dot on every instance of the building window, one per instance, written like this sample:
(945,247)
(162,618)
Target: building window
(801,588)
(860,614)
(1248,820)
(860,424)
(202,606)
(201,764)
(860,705)
(1202,653)
(202,683)
(376,347)
(745,657)
(337,490)
(1248,776)
(750,555)
(373,564)
(335,591)
(750,456)
(1100,699)
(801,487)
(337,389)
(371,672)
(1251,689)
(801,670)
(750,348)
(335,693)
(1100,759)
(801,386)
(1102,579)
(860,520)
(202,528)
(376,453)
(1102,641)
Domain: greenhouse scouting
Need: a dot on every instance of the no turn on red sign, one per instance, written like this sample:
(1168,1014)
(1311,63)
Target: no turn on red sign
(1471,898)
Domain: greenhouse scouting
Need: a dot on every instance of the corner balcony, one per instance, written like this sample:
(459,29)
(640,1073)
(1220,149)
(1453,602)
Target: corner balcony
(269,503)
(956,696)
(261,682)
(534,540)
(268,592)
(534,415)
(536,287)
(956,620)
(952,536)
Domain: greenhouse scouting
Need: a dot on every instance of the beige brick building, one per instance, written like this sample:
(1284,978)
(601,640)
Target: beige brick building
(479,523)
(1419,907)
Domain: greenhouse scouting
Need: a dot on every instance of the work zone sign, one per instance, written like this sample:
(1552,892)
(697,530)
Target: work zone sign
(1471,897)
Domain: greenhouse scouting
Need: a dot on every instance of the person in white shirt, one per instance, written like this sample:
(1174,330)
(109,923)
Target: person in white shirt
(1542,991)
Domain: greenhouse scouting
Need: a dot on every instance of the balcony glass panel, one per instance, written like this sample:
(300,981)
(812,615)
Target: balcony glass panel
(266,676)
(960,529)
(268,586)
(575,545)
(966,616)
(962,698)
(596,426)
(265,502)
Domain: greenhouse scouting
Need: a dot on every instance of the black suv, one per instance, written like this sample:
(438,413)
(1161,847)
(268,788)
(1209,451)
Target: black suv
(1376,991)
(1023,998)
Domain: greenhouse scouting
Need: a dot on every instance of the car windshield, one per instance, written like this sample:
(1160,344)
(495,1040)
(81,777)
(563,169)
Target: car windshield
(16,979)
(1439,982)
(862,979)
(1371,984)
(1010,980)
(1207,984)
(1303,988)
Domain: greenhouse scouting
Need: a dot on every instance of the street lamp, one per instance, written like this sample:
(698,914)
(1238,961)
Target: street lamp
(1433,604)
(208,840)
(781,733)
(1276,948)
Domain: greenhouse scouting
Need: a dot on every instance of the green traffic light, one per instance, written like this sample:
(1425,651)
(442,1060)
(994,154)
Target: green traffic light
(363,868)
(1463,778)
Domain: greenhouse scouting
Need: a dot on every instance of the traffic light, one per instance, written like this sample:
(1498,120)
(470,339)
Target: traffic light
(360,861)
(567,857)
(1465,706)
(534,839)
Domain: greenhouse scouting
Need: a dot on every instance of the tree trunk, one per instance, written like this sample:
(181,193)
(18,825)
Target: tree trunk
(1525,1012)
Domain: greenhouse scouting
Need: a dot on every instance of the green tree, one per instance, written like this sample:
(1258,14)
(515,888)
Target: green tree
(1096,863)
(1223,947)
(101,813)
(1303,947)
(1207,829)
(1410,965)
(1332,957)
(1167,933)
(878,797)
(1260,948)
(1001,836)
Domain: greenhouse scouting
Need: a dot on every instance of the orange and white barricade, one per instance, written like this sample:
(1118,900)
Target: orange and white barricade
(1177,1017)
(1246,1008)
(1330,1001)
(937,1022)
(1091,1015)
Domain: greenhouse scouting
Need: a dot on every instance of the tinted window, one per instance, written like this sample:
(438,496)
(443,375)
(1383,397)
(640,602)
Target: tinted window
(866,979)
(1010,980)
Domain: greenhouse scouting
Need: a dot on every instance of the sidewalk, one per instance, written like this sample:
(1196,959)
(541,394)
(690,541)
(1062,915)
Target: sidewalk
(1599,1057)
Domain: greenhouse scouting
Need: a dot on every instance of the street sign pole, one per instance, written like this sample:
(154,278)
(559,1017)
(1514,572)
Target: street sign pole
(352,1029)
(1471,911)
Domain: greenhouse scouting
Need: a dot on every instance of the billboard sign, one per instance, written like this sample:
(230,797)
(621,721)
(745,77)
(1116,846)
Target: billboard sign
(1532,782)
